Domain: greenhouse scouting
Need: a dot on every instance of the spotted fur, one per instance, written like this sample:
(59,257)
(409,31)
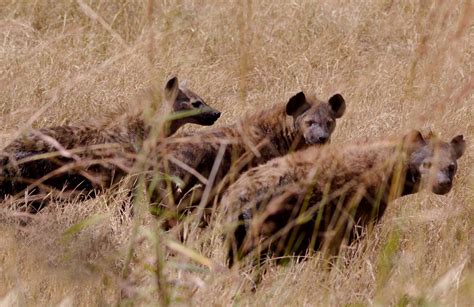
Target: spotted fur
(87,157)
(317,198)
(251,141)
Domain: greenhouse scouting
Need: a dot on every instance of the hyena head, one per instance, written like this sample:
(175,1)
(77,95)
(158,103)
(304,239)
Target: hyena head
(433,163)
(192,107)
(315,120)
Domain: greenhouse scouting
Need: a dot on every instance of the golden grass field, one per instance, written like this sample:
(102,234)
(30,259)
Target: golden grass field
(399,65)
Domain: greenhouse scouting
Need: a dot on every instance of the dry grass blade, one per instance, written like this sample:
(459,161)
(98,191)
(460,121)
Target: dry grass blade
(191,254)
(76,228)
(189,169)
(210,184)
(449,280)
(94,16)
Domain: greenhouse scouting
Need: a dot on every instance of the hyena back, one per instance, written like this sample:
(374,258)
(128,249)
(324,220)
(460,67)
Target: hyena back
(251,141)
(84,158)
(319,197)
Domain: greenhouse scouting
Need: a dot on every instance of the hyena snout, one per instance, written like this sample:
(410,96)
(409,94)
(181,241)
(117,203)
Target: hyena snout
(442,182)
(208,116)
(316,135)
(442,188)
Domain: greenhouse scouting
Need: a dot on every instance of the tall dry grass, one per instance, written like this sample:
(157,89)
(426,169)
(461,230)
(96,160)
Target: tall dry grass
(399,66)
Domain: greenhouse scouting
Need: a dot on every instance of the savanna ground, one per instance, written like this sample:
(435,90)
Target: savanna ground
(400,65)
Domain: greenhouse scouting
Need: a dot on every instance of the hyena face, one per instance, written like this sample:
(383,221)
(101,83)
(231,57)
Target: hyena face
(313,119)
(192,107)
(434,163)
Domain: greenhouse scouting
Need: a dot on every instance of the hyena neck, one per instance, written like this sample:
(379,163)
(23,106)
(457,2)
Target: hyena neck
(412,181)
(291,137)
(402,179)
(411,177)
(139,129)
(173,126)
(277,128)
(132,132)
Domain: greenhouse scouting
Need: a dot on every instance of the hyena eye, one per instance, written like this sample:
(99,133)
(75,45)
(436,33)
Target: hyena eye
(451,168)
(197,104)
(426,164)
(310,122)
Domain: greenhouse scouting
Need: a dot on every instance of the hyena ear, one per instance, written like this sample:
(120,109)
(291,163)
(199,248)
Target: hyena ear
(297,105)
(458,145)
(414,137)
(171,90)
(338,105)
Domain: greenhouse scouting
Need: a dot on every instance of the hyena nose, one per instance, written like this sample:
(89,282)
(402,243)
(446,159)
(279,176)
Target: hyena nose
(216,114)
(442,187)
(445,183)
(323,139)
(444,180)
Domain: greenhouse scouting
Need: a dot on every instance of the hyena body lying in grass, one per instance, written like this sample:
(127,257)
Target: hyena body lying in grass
(230,150)
(318,198)
(85,158)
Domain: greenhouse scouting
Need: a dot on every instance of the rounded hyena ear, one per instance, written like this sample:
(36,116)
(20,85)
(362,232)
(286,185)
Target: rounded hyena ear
(297,105)
(458,144)
(338,105)
(414,137)
(171,89)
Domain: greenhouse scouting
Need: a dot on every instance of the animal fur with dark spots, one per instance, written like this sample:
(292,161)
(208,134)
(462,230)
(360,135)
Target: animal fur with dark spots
(82,159)
(250,141)
(317,198)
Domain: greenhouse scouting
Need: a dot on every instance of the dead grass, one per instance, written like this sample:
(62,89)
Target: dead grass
(399,65)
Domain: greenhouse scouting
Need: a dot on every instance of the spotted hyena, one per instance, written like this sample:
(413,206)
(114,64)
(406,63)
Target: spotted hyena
(317,198)
(215,157)
(82,158)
